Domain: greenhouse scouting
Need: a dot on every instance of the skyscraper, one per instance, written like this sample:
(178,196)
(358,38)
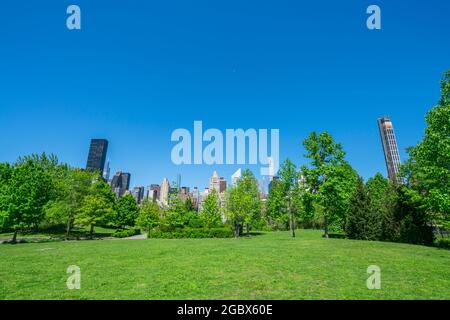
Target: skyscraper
(236,176)
(153,192)
(120,183)
(214,182)
(106,172)
(164,196)
(97,155)
(138,194)
(390,149)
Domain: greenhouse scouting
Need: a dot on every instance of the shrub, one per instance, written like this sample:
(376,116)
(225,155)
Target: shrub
(126,233)
(194,233)
(443,243)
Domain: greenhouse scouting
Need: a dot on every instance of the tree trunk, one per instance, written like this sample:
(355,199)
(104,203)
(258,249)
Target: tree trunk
(236,230)
(91,232)
(14,239)
(291,220)
(248,229)
(69,224)
(325,235)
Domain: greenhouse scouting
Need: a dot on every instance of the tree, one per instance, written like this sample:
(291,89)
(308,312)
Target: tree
(27,189)
(428,169)
(289,183)
(97,207)
(383,203)
(362,222)
(276,203)
(72,187)
(211,210)
(243,203)
(329,179)
(126,211)
(149,215)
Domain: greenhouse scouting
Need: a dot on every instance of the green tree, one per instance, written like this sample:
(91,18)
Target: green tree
(289,185)
(243,203)
(329,179)
(73,186)
(126,211)
(428,168)
(211,210)
(383,203)
(28,188)
(276,204)
(149,215)
(362,222)
(97,207)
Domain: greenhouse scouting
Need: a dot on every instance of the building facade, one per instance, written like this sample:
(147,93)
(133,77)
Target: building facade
(390,149)
(97,155)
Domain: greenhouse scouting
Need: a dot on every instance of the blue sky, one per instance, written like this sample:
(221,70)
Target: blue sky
(140,69)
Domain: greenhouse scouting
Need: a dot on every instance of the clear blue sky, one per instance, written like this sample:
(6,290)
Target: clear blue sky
(140,69)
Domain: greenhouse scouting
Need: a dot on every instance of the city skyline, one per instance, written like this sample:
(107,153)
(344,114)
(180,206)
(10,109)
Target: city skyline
(295,67)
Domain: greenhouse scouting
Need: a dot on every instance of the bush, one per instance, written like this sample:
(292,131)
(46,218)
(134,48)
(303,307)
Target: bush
(443,243)
(194,233)
(126,233)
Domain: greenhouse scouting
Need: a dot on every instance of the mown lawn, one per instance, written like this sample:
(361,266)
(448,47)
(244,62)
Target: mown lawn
(267,266)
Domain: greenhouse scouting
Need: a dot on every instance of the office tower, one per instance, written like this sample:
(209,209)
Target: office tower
(106,172)
(222,185)
(235,176)
(214,182)
(184,190)
(164,196)
(178,186)
(120,183)
(138,194)
(153,192)
(390,149)
(195,197)
(97,155)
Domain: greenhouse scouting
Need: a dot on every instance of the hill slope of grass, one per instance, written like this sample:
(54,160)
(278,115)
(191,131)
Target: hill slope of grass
(267,266)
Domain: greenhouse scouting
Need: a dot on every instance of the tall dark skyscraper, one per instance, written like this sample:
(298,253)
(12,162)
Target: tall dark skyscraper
(390,149)
(97,155)
(120,183)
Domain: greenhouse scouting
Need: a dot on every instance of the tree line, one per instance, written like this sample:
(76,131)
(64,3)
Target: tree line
(327,193)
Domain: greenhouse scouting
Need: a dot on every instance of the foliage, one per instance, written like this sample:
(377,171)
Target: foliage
(329,179)
(211,210)
(126,211)
(193,233)
(243,203)
(27,188)
(362,222)
(428,169)
(97,207)
(126,233)
(149,215)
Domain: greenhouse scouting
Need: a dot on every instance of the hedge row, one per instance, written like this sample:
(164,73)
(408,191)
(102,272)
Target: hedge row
(126,233)
(192,233)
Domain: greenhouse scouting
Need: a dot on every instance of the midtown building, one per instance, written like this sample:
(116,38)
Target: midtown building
(153,192)
(106,172)
(217,183)
(165,189)
(97,155)
(236,176)
(390,149)
(120,183)
(138,194)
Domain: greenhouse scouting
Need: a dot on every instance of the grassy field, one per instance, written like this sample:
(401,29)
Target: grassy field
(266,266)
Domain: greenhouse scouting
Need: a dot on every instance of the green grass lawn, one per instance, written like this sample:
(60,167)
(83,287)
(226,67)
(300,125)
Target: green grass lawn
(267,266)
